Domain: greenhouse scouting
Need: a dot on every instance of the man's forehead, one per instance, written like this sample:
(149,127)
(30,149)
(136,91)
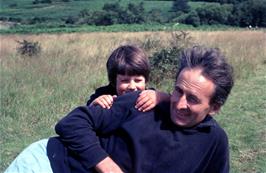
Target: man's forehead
(193,80)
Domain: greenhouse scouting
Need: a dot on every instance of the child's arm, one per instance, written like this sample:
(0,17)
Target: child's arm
(148,99)
(105,101)
(104,90)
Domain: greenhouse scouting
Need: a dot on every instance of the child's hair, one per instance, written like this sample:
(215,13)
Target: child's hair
(127,60)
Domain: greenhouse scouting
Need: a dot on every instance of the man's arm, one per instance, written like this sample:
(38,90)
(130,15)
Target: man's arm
(78,129)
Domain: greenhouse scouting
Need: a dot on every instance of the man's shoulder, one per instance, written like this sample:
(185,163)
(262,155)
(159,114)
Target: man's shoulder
(216,130)
(128,99)
(107,89)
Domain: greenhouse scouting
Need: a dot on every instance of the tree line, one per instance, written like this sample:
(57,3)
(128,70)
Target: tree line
(241,13)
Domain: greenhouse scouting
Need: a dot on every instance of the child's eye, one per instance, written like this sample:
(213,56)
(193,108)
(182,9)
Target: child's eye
(124,80)
(138,80)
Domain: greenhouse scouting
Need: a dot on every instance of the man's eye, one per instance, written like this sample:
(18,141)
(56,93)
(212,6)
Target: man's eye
(192,99)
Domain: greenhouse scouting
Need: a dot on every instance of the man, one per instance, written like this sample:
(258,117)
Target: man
(184,139)
(180,136)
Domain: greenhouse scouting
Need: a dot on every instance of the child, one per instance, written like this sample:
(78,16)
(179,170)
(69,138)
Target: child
(128,70)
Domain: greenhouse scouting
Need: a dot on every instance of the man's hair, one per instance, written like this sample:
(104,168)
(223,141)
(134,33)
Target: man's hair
(127,60)
(214,67)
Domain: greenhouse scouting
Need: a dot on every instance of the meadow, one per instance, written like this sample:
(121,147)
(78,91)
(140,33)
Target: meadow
(37,91)
(59,9)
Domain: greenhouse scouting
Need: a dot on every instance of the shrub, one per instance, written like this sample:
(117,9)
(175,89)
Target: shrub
(27,48)
(193,19)
(71,20)
(36,20)
(151,43)
(180,5)
(213,14)
(165,62)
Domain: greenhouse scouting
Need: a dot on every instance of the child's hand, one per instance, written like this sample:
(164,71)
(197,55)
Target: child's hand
(147,100)
(105,101)
(107,165)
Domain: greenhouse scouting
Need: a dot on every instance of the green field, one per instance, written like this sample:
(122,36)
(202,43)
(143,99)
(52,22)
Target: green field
(26,17)
(44,28)
(37,91)
(58,9)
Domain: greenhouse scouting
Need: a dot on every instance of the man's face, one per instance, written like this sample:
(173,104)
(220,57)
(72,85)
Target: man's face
(190,98)
(126,83)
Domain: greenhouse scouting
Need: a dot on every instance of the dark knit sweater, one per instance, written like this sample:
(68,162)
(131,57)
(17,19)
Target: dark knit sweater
(104,90)
(138,142)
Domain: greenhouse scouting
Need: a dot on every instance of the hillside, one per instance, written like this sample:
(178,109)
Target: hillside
(37,16)
(58,10)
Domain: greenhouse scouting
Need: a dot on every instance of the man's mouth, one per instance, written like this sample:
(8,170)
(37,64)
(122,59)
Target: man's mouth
(181,115)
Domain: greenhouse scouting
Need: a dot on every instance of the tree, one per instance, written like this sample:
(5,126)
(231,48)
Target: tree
(180,6)
(71,20)
(135,13)
(250,12)
(193,18)
(213,14)
(155,15)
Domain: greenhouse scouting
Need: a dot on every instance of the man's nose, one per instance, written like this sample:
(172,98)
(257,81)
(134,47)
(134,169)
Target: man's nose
(182,103)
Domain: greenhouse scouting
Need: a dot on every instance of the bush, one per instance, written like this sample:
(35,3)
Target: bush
(180,6)
(27,48)
(36,20)
(165,62)
(192,19)
(213,14)
(155,15)
(113,13)
(71,20)
(249,13)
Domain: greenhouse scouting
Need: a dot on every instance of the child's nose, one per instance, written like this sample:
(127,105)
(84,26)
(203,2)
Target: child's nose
(132,86)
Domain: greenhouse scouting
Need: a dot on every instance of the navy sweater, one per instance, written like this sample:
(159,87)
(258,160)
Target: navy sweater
(138,142)
(104,90)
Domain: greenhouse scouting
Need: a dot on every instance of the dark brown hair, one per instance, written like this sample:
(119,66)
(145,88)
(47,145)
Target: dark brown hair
(127,60)
(214,67)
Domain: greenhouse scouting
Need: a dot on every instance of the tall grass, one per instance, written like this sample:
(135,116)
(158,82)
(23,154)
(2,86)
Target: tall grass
(37,91)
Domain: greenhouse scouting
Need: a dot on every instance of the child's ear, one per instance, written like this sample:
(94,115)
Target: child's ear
(215,108)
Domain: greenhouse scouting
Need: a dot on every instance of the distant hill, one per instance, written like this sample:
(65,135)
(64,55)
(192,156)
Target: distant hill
(79,13)
(58,10)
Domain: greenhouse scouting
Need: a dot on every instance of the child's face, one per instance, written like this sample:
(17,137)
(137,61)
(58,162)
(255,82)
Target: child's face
(125,83)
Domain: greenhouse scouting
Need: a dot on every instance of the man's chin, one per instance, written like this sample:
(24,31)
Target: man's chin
(179,121)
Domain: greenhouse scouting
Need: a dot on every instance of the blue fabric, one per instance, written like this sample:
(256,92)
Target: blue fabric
(33,159)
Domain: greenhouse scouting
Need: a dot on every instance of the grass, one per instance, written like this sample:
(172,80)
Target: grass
(244,118)
(50,18)
(37,91)
(57,28)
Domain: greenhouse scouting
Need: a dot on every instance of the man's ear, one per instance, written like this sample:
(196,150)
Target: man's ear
(215,108)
